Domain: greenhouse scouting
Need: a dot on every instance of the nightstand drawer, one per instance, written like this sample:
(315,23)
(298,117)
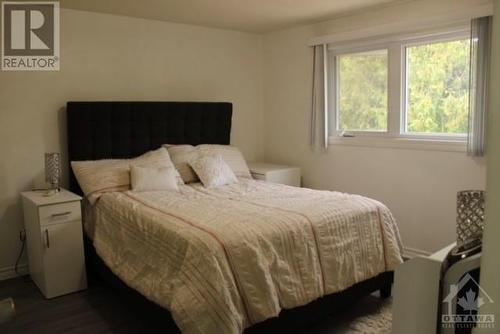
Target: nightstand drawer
(59,213)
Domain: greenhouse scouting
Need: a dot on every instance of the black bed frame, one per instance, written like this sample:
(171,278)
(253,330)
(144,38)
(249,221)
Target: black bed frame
(104,130)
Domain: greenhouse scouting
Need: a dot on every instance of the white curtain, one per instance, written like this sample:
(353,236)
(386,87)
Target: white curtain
(479,79)
(319,110)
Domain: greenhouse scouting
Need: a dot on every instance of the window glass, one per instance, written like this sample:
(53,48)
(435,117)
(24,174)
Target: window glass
(437,91)
(362,99)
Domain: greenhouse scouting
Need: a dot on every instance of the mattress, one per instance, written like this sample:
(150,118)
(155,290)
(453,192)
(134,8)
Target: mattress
(223,259)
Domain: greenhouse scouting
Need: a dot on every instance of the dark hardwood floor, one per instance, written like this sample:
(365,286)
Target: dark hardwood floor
(101,310)
(95,310)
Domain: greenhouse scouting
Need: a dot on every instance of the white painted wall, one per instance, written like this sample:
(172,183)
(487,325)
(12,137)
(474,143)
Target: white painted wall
(418,186)
(490,265)
(107,57)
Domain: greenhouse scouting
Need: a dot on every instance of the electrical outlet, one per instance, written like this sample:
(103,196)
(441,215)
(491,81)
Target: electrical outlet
(22,235)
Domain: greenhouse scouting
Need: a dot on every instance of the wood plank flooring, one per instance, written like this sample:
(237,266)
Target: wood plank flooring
(100,310)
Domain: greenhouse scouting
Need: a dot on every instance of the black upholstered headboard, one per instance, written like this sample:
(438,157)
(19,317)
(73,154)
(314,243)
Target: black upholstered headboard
(119,130)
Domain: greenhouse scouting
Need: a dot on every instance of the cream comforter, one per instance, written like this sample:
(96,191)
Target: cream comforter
(223,259)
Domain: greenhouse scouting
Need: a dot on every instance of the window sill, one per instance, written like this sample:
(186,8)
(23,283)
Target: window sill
(402,143)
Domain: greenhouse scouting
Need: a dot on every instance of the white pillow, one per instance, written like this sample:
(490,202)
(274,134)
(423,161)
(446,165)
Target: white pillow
(96,177)
(153,179)
(101,176)
(231,155)
(213,171)
(181,155)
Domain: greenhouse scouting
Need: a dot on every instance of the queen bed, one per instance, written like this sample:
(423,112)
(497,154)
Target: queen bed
(248,256)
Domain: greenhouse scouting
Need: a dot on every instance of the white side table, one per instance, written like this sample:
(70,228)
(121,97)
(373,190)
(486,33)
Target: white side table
(55,242)
(288,175)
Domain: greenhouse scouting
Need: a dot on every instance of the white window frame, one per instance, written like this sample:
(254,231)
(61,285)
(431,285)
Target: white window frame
(396,134)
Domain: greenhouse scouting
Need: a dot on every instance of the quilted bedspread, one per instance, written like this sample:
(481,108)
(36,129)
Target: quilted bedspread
(223,259)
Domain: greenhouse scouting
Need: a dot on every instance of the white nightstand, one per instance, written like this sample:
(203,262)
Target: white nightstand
(55,242)
(288,175)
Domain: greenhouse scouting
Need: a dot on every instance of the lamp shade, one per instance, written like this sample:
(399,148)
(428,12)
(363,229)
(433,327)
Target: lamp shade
(470,215)
(53,169)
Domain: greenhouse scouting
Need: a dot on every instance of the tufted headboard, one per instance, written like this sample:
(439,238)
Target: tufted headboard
(119,130)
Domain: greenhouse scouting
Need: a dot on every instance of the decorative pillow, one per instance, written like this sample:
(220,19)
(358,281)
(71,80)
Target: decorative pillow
(231,155)
(156,159)
(153,179)
(182,154)
(101,176)
(213,171)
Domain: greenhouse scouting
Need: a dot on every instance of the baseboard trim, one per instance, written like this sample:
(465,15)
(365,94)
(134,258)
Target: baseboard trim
(10,272)
(410,253)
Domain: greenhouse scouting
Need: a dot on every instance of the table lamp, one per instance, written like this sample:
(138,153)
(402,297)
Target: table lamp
(52,171)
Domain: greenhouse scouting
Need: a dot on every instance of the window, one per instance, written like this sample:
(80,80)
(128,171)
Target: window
(414,87)
(362,91)
(437,87)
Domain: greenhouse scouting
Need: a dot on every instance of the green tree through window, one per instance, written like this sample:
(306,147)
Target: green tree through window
(362,80)
(438,87)
(433,77)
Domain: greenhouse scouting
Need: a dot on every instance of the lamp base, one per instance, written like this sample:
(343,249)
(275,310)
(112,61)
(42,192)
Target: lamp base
(51,192)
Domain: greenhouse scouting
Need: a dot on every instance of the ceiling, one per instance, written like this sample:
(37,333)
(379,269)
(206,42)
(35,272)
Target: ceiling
(256,16)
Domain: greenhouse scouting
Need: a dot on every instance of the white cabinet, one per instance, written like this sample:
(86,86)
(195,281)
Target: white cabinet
(55,242)
(416,294)
(288,175)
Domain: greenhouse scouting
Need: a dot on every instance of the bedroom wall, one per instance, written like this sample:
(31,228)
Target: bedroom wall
(490,268)
(106,57)
(419,186)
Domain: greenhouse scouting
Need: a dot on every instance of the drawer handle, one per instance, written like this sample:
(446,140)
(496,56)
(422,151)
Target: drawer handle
(47,240)
(55,215)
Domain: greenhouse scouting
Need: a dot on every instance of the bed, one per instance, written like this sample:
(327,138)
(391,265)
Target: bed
(251,256)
